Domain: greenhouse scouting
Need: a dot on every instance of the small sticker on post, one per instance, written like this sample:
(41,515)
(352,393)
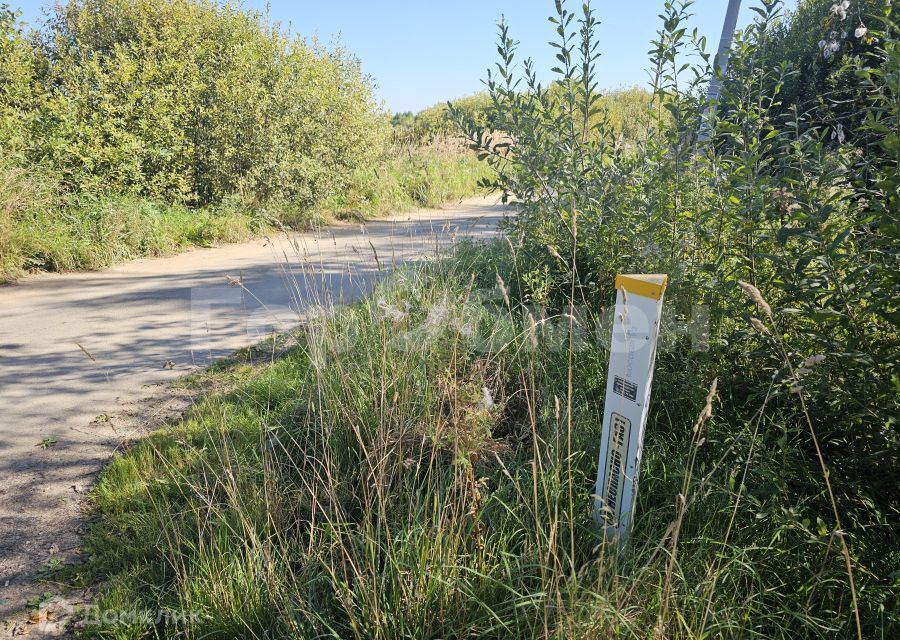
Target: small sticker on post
(625,388)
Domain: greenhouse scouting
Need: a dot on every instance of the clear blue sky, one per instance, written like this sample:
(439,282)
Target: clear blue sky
(427,51)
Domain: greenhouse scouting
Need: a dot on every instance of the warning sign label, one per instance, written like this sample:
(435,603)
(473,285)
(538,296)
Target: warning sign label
(619,435)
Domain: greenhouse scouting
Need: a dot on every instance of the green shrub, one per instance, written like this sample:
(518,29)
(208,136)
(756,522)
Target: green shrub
(191,101)
(168,123)
(811,49)
(624,111)
(784,196)
(16,76)
(435,121)
(411,176)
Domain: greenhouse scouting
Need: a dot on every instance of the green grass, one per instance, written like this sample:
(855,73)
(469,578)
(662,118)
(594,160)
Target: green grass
(42,228)
(45,229)
(360,485)
(411,176)
(91,233)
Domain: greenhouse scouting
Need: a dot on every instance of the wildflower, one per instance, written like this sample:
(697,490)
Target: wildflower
(860,31)
(754,294)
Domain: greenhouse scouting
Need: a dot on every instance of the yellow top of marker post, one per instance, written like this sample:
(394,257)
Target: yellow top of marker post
(648,285)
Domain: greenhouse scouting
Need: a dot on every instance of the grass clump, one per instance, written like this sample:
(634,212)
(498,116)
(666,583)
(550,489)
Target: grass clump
(44,229)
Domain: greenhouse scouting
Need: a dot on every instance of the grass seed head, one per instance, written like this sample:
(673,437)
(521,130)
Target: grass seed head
(503,290)
(759,326)
(754,294)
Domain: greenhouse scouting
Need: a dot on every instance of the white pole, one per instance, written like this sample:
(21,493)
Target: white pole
(715,83)
(638,310)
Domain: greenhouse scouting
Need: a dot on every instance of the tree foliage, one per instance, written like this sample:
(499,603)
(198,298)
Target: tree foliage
(16,76)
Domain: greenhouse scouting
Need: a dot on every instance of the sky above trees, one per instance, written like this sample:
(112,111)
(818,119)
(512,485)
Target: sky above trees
(420,53)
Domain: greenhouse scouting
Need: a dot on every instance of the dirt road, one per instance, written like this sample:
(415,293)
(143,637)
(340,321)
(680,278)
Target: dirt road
(76,350)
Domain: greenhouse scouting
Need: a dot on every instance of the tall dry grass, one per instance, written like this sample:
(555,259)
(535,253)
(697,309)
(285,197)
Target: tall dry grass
(420,465)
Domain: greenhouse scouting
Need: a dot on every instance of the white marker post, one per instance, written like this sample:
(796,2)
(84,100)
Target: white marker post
(639,300)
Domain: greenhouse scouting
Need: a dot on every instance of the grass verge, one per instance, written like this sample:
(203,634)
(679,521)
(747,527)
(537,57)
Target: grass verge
(416,467)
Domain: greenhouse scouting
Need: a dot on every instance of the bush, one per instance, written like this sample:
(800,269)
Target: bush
(809,47)
(624,112)
(435,121)
(16,76)
(189,101)
(782,197)
(411,175)
(163,123)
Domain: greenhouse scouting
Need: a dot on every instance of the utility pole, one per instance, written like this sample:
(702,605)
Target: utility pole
(715,83)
